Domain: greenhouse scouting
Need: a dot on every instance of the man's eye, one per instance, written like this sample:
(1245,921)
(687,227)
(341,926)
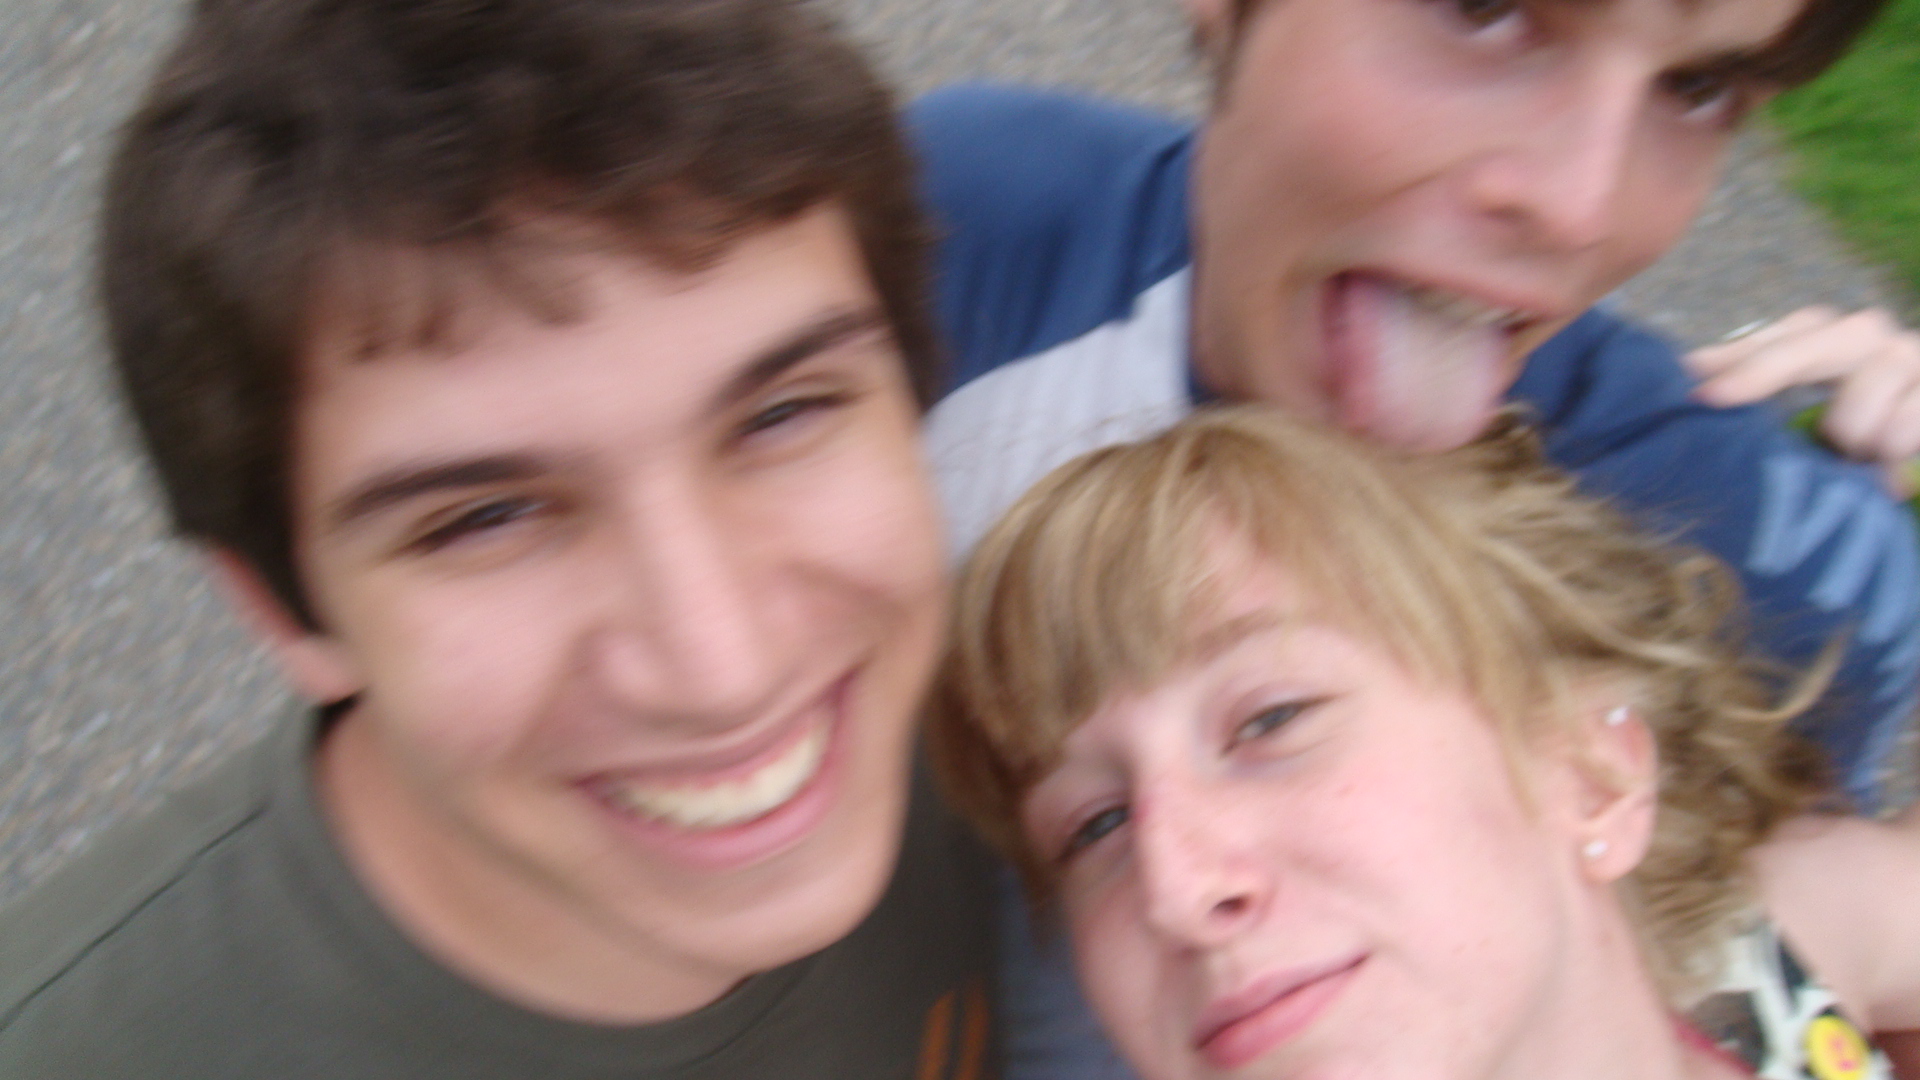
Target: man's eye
(1092,830)
(1706,96)
(1267,721)
(479,518)
(1484,14)
(788,410)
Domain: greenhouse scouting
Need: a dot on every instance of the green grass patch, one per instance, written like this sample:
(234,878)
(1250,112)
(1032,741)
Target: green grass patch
(1855,137)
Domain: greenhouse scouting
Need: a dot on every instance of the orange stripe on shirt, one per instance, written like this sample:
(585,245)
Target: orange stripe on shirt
(933,1041)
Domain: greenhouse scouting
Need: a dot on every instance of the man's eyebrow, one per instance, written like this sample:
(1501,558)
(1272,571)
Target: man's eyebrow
(404,482)
(1748,62)
(397,485)
(1729,64)
(816,337)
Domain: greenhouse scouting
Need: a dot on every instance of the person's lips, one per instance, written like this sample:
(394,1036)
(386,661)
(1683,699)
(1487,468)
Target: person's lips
(743,806)
(731,796)
(1245,1024)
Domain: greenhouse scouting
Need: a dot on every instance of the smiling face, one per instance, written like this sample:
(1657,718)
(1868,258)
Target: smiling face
(638,608)
(1397,200)
(1293,858)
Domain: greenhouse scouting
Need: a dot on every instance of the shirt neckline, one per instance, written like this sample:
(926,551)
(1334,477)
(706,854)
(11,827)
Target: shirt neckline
(444,1004)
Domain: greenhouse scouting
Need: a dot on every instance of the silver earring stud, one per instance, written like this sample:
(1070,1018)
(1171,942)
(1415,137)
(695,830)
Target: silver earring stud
(1594,849)
(1618,715)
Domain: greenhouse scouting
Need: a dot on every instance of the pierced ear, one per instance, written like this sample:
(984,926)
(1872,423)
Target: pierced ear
(318,667)
(1619,791)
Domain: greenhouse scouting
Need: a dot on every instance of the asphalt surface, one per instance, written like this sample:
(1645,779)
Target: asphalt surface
(120,673)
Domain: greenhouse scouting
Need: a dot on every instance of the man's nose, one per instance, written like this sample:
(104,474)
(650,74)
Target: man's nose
(692,627)
(1202,880)
(1556,176)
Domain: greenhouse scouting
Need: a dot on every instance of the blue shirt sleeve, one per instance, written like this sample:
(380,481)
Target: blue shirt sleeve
(1821,549)
(1052,213)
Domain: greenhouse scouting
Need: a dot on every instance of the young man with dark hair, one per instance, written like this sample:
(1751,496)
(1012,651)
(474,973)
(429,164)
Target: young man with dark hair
(544,378)
(1398,216)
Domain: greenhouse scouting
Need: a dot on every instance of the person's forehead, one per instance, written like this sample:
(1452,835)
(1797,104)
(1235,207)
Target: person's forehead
(642,350)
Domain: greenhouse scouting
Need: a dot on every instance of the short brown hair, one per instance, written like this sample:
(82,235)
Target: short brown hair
(372,149)
(1481,570)
(1816,38)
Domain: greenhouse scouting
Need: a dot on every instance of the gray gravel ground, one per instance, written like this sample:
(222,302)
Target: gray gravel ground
(119,672)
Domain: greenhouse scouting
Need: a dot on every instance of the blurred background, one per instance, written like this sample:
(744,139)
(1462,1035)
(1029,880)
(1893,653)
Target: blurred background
(121,675)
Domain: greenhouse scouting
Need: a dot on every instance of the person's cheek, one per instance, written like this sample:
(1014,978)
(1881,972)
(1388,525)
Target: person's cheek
(1379,134)
(1123,981)
(1670,178)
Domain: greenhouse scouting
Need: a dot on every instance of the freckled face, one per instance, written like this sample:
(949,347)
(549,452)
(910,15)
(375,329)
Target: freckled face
(638,607)
(1397,200)
(1294,859)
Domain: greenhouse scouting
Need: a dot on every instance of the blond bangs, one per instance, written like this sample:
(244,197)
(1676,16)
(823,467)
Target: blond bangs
(1099,580)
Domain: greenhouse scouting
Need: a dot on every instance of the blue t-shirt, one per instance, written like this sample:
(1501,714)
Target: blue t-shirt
(1062,284)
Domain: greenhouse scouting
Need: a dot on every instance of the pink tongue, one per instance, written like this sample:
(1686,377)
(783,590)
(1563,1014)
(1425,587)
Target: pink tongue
(1407,375)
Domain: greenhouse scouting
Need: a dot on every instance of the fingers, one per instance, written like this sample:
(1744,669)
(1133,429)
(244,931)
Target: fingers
(1875,411)
(1869,362)
(1812,345)
(1902,441)
(1730,351)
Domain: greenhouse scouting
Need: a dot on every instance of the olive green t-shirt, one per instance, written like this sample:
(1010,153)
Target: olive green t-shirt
(224,936)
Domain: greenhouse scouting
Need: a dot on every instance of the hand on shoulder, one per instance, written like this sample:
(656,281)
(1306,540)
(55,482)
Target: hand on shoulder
(1869,362)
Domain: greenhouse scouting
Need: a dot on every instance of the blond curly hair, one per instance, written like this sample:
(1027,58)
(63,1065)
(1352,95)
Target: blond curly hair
(1481,569)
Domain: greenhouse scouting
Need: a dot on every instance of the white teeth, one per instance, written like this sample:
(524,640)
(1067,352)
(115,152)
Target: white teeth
(733,802)
(1461,309)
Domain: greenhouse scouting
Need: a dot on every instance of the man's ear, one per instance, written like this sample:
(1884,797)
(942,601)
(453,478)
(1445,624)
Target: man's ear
(1616,773)
(316,664)
(1212,24)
